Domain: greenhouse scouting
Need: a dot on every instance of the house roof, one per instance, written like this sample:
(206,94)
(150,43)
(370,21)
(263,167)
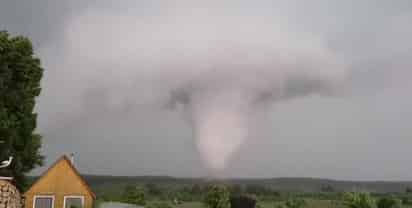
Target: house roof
(67,160)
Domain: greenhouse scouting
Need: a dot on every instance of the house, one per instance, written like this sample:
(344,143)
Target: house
(61,186)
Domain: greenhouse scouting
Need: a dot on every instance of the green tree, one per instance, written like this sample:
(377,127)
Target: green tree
(134,195)
(358,200)
(153,189)
(387,202)
(295,203)
(217,197)
(20,75)
(406,201)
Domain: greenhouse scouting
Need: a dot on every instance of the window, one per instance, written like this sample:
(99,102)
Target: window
(73,202)
(43,202)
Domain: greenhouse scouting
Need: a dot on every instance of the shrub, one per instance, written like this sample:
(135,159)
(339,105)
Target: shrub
(217,197)
(387,203)
(358,200)
(295,203)
(406,201)
(134,195)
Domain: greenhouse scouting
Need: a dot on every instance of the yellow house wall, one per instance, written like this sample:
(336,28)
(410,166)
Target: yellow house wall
(60,181)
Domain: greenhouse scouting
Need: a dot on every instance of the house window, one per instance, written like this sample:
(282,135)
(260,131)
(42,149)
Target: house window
(73,202)
(43,202)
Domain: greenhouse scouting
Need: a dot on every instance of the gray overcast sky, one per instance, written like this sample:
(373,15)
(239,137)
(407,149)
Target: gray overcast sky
(99,113)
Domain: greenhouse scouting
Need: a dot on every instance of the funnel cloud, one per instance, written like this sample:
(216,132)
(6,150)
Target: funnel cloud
(220,68)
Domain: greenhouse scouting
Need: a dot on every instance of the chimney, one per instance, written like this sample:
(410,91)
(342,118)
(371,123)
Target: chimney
(72,158)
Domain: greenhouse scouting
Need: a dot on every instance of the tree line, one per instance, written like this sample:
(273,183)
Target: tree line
(230,196)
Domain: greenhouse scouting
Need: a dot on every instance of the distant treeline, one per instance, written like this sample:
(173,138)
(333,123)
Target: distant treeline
(281,184)
(193,189)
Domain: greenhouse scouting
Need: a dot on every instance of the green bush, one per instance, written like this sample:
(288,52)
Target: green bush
(217,197)
(358,200)
(387,202)
(134,195)
(295,203)
(406,201)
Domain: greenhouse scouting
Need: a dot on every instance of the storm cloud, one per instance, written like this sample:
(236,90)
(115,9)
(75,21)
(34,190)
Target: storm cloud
(128,86)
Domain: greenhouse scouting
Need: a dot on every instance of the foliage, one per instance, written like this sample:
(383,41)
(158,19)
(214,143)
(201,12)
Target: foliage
(295,203)
(217,197)
(191,192)
(186,193)
(358,200)
(259,206)
(408,190)
(387,202)
(20,75)
(406,201)
(153,189)
(263,192)
(134,195)
(258,190)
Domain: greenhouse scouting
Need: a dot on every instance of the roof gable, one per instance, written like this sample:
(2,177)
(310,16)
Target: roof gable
(64,160)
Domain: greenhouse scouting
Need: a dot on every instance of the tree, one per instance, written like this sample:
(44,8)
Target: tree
(20,75)
(408,190)
(134,195)
(153,189)
(387,202)
(406,201)
(217,197)
(358,200)
(295,203)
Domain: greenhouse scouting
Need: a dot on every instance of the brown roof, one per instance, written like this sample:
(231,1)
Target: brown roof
(64,157)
